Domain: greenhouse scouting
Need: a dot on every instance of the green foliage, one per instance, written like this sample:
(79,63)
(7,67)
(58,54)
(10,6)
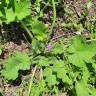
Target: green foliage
(70,65)
(81,89)
(20,61)
(73,65)
(80,52)
(39,30)
(37,5)
(38,89)
(14,10)
(50,78)
(37,47)
(58,48)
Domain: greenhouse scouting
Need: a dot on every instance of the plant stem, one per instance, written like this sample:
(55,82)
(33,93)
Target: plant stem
(54,16)
(45,6)
(31,81)
(29,33)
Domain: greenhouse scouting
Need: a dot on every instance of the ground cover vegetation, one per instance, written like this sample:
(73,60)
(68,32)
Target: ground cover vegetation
(48,47)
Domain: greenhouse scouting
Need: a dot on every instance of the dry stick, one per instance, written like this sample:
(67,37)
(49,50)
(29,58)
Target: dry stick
(31,81)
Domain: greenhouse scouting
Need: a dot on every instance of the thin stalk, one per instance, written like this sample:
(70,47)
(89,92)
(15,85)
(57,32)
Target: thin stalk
(28,31)
(45,6)
(31,81)
(54,16)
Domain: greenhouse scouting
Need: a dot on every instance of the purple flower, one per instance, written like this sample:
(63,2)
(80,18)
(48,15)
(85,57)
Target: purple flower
(49,46)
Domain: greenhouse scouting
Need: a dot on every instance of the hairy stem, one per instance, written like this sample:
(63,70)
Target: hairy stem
(54,16)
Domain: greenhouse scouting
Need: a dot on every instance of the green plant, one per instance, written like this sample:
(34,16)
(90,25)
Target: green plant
(73,65)
(83,59)
(15,10)
(19,61)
